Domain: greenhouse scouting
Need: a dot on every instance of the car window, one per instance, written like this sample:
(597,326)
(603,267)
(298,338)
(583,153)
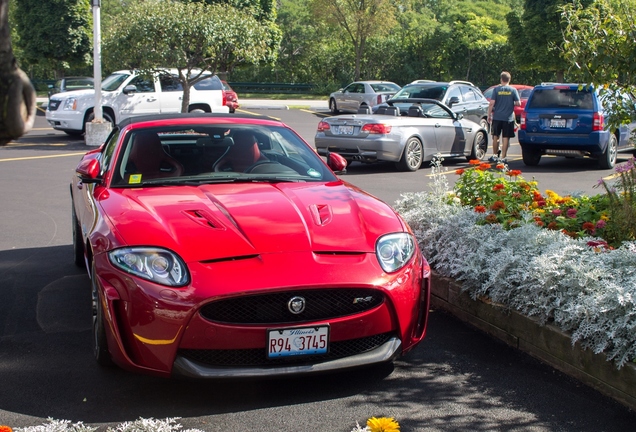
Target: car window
(112,82)
(385,87)
(169,83)
(420,91)
(212,82)
(143,84)
(525,93)
(468,94)
(78,83)
(488,93)
(453,92)
(562,98)
(109,149)
(357,88)
(435,111)
(350,88)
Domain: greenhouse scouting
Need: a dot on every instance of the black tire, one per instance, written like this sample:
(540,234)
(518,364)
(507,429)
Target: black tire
(480,147)
(530,157)
(333,107)
(608,159)
(199,110)
(107,117)
(412,156)
(78,241)
(100,343)
(73,133)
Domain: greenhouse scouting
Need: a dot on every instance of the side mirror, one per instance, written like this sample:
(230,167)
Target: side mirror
(88,171)
(130,89)
(50,86)
(337,163)
(459,116)
(453,101)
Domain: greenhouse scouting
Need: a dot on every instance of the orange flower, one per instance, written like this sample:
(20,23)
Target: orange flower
(491,218)
(480,209)
(459,171)
(516,195)
(498,186)
(5,429)
(514,173)
(484,166)
(474,162)
(552,226)
(500,166)
(539,223)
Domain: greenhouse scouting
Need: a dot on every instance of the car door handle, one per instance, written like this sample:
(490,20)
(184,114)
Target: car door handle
(151,99)
(438,125)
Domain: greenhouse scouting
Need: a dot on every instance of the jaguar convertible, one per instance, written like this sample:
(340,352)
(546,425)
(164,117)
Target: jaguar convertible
(405,131)
(223,246)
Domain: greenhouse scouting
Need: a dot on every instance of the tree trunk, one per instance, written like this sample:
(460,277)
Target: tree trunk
(17,95)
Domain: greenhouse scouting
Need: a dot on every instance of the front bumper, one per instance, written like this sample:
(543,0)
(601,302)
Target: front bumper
(66,120)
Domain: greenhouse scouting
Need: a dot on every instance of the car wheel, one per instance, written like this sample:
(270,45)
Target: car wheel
(198,111)
(608,159)
(100,344)
(412,156)
(484,123)
(107,117)
(530,157)
(333,107)
(480,147)
(78,243)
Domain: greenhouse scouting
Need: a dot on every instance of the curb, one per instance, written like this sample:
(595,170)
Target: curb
(547,343)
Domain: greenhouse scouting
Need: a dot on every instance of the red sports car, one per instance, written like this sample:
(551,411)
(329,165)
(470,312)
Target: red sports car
(524,92)
(231,98)
(224,246)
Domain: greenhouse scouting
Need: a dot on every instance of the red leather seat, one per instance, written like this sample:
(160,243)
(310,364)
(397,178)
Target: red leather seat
(148,158)
(241,155)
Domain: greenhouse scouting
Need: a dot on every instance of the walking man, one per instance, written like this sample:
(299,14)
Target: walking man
(501,116)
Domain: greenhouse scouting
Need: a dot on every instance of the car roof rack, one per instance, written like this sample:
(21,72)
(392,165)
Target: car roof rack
(462,82)
(422,81)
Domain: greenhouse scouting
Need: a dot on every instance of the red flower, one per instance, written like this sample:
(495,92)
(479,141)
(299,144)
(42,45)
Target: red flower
(491,218)
(514,173)
(483,166)
(539,223)
(474,162)
(5,429)
(571,213)
(500,166)
(480,209)
(498,205)
(589,227)
(541,203)
(459,171)
(516,195)
(498,186)
(552,226)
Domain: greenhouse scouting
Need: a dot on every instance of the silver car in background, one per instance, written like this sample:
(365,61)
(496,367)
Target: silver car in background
(406,131)
(361,94)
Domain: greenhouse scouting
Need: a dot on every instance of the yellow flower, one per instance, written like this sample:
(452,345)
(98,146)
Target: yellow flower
(383,424)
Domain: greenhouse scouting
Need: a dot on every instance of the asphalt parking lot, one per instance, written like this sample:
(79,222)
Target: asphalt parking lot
(458,379)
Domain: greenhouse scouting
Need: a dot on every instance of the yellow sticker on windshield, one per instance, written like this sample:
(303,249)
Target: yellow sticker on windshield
(134,179)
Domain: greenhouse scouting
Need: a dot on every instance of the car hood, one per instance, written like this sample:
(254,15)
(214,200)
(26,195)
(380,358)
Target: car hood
(214,222)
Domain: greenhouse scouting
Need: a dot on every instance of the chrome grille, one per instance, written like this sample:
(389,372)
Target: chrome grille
(272,308)
(258,356)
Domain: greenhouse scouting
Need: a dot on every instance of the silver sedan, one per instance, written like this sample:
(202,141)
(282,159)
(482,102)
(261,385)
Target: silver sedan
(407,132)
(361,94)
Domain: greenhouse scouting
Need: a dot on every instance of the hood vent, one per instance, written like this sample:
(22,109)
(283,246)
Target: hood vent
(321,213)
(204,218)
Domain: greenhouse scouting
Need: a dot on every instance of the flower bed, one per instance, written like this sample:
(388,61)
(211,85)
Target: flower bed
(495,241)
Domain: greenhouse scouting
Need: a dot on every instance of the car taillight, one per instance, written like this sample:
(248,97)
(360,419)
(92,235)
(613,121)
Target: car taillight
(376,128)
(323,126)
(224,99)
(598,123)
(522,122)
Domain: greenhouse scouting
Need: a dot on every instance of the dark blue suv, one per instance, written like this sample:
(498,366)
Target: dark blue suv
(569,120)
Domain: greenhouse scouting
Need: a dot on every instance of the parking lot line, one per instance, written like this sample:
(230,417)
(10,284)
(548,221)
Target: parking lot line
(42,157)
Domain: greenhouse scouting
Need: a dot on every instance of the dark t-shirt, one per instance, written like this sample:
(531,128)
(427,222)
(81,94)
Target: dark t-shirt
(505,97)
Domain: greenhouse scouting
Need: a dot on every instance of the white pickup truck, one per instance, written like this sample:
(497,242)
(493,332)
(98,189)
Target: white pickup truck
(126,94)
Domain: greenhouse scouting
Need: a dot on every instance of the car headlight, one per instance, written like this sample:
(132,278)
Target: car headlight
(394,251)
(70,104)
(154,264)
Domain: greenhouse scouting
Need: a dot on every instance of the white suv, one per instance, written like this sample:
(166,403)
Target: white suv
(126,94)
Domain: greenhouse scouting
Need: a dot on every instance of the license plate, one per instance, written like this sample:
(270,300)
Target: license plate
(557,123)
(345,130)
(297,341)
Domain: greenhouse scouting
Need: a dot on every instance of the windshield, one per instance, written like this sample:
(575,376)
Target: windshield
(562,98)
(385,87)
(112,82)
(216,153)
(419,91)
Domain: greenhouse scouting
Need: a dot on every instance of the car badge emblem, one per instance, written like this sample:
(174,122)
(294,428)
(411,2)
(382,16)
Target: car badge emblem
(296,305)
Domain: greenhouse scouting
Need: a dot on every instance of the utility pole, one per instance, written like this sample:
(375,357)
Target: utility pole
(97,61)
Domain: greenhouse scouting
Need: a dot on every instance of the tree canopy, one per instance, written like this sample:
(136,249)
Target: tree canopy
(192,37)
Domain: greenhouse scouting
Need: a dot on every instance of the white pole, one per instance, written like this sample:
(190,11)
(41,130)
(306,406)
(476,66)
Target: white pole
(97,62)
